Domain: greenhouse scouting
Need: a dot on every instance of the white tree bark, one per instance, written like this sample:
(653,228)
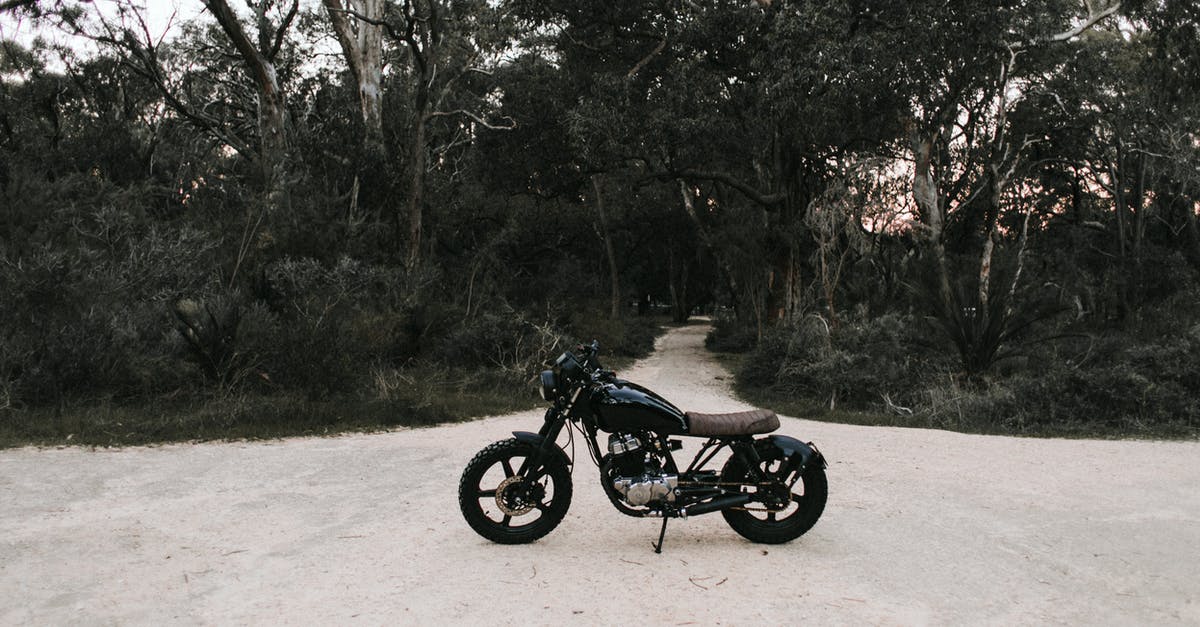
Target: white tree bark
(362,45)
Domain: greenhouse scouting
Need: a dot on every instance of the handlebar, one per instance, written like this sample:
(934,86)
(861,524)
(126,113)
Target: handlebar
(590,365)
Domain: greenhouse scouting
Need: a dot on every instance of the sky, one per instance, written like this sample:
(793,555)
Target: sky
(160,16)
(157,12)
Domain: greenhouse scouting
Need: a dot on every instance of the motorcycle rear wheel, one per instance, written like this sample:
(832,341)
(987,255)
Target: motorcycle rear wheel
(493,495)
(807,500)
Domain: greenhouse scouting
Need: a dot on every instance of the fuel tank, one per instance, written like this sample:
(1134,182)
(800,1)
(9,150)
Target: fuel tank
(625,406)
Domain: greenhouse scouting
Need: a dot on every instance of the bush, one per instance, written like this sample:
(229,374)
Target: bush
(1112,399)
(1083,386)
(327,325)
(858,364)
(1144,388)
(728,335)
(92,318)
(505,340)
(628,337)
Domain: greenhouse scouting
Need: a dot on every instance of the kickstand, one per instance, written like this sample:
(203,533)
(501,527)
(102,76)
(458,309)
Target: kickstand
(662,532)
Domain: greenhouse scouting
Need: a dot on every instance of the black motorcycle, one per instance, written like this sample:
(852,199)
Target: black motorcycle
(770,490)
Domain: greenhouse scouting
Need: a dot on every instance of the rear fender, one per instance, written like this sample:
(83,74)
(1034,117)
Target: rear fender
(799,455)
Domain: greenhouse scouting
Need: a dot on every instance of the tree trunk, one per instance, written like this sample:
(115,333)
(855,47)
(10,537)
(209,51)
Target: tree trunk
(722,262)
(925,193)
(1120,207)
(416,187)
(1137,201)
(272,106)
(677,275)
(1193,229)
(274,148)
(608,248)
(793,292)
(273,123)
(362,45)
(996,184)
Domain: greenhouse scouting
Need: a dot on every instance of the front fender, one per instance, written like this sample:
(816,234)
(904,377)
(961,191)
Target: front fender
(799,455)
(529,438)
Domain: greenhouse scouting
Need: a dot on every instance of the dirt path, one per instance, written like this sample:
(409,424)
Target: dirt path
(922,527)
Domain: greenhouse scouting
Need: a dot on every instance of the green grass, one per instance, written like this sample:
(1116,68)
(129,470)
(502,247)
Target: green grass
(410,398)
(257,416)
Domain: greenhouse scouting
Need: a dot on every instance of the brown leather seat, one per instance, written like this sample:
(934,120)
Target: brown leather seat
(738,423)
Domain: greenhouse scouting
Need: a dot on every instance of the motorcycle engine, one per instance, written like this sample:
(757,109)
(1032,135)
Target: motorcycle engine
(641,479)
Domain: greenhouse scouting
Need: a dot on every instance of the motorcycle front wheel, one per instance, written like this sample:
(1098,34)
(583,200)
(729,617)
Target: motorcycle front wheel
(796,508)
(504,505)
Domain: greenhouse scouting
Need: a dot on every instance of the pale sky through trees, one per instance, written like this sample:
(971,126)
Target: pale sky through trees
(160,16)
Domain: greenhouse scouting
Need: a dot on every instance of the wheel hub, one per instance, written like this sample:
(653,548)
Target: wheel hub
(776,496)
(513,497)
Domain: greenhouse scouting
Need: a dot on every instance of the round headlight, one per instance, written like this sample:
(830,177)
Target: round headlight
(549,382)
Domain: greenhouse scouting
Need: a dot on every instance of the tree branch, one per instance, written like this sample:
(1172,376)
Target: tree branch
(233,28)
(143,60)
(1092,19)
(408,37)
(508,125)
(766,200)
(345,34)
(279,34)
(662,44)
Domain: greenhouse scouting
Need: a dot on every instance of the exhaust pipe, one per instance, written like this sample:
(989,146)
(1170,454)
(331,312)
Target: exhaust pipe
(716,504)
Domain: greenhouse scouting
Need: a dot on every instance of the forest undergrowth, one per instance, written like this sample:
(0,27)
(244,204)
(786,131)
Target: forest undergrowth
(1142,381)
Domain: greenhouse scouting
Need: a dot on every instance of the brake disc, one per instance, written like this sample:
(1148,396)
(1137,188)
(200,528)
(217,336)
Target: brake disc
(514,504)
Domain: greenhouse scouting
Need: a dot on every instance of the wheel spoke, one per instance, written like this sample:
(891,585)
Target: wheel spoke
(487,493)
(507,519)
(508,471)
(770,516)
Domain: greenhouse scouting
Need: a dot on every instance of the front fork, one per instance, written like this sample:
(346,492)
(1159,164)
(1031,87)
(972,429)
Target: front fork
(544,440)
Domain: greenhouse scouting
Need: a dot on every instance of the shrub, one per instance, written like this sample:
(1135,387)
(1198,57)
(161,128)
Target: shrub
(92,318)
(1107,400)
(330,324)
(630,336)
(505,340)
(728,335)
(860,363)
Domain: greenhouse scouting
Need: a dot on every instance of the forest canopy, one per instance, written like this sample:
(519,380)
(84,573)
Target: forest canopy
(978,217)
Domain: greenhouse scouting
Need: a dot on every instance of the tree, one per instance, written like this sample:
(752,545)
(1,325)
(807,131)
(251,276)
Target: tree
(445,45)
(259,58)
(963,149)
(359,28)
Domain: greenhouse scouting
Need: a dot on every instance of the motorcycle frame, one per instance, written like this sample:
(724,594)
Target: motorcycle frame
(690,502)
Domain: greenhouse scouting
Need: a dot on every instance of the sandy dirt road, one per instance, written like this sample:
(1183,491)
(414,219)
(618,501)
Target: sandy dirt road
(922,527)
